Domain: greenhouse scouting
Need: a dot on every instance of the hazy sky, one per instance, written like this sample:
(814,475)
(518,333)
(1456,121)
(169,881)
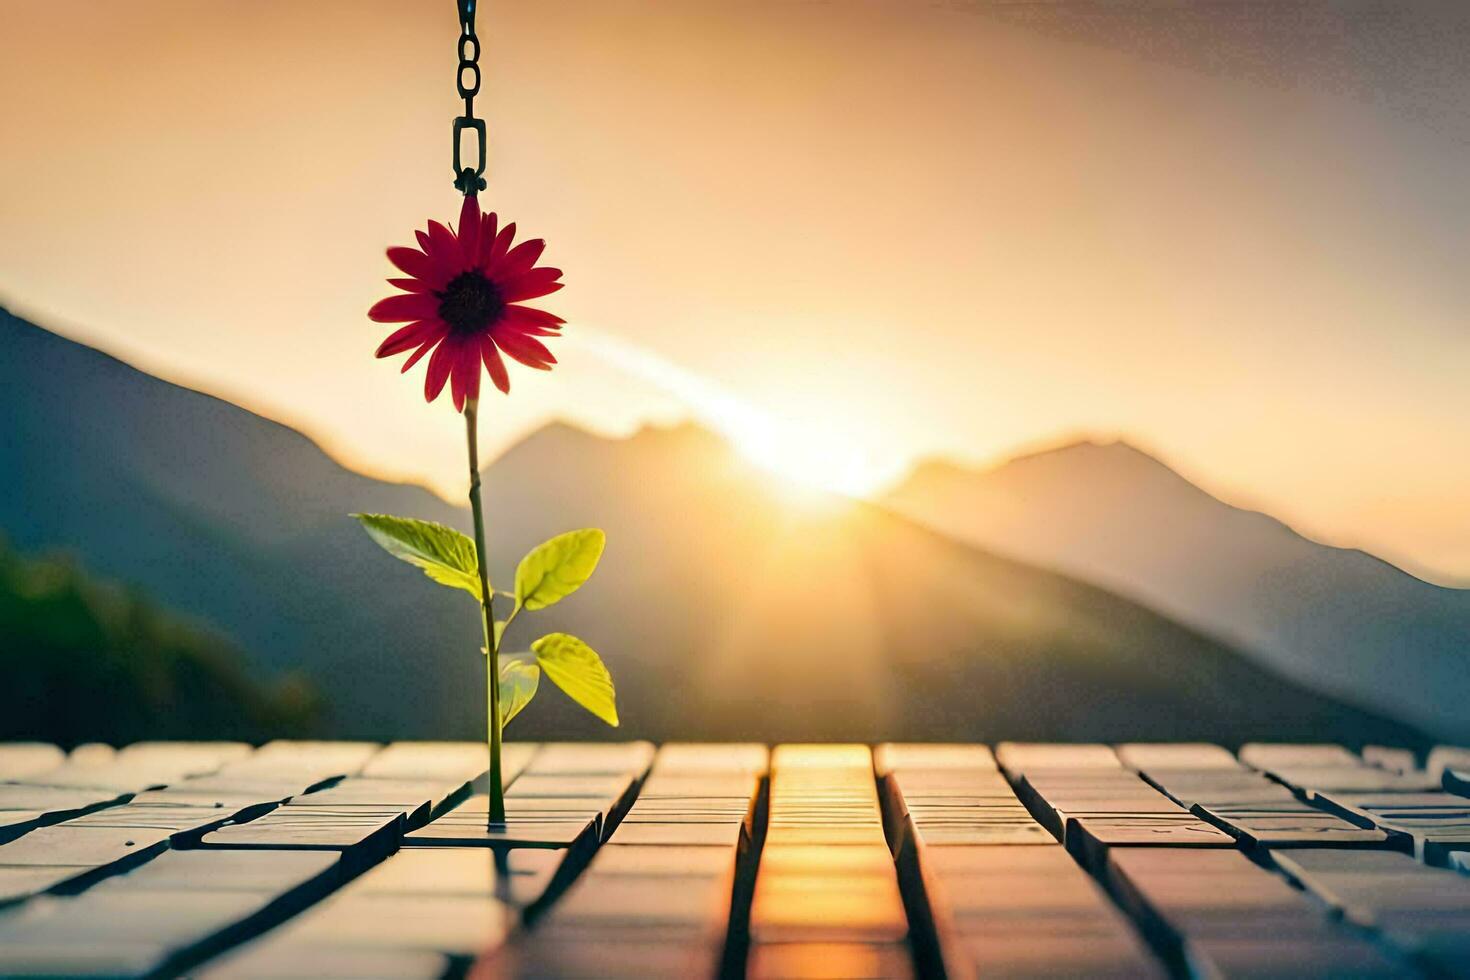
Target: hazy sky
(1235,233)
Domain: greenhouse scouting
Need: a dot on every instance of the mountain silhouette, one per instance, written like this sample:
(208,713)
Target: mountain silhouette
(1336,619)
(85,661)
(218,513)
(726,606)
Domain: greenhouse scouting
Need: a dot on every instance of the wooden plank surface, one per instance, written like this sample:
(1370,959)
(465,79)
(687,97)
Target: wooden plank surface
(1421,911)
(1223,915)
(987,907)
(1437,824)
(621,861)
(656,899)
(21,760)
(826,879)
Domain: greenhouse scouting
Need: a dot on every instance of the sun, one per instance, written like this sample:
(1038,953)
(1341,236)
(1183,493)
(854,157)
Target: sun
(802,454)
(811,460)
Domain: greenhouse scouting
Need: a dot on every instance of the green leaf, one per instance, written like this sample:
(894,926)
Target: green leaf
(556,568)
(576,668)
(518,682)
(444,554)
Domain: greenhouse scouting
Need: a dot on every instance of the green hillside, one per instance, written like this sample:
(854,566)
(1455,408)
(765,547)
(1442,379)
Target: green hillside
(85,661)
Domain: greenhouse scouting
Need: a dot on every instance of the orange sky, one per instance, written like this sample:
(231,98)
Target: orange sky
(869,230)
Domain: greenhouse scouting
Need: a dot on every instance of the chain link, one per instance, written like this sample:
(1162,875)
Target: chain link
(468,180)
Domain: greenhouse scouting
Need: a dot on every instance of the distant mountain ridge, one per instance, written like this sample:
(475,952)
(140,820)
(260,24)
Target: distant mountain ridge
(724,609)
(1338,619)
(217,512)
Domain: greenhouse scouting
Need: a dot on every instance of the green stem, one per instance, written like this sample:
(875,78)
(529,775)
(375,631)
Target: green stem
(487,599)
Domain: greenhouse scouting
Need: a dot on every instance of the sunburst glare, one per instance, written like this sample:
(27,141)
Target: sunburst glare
(802,453)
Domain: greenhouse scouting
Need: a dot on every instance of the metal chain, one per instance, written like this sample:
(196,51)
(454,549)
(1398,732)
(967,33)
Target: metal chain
(468,180)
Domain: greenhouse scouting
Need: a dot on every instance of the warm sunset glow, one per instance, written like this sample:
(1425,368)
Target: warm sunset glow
(801,452)
(870,233)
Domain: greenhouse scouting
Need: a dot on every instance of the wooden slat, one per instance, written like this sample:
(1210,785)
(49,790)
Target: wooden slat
(1392,759)
(287,768)
(1423,911)
(1018,758)
(1437,823)
(711,757)
(264,961)
(1311,780)
(20,882)
(1443,757)
(530,822)
(88,847)
(656,898)
(929,756)
(444,760)
(954,807)
(99,841)
(825,875)
(140,767)
(958,862)
(91,754)
(414,798)
(364,832)
(454,925)
(348,758)
(1226,916)
(195,758)
(23,807)
(659,891)
(419,906)
(1209,787)
(274,873)
(1271,755)
(144,931)
(1261,812)
(1093,809)
(1314,769)
(1028,911)
(569,795)
(1193,756)
(22,760)
(1293,824)
(593,758)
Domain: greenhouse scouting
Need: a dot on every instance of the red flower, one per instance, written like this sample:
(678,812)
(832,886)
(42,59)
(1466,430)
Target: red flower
(461,303)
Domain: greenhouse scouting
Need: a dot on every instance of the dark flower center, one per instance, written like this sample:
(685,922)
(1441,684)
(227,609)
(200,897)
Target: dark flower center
(470,302)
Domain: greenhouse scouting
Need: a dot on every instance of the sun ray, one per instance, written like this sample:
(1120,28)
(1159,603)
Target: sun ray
(801,453)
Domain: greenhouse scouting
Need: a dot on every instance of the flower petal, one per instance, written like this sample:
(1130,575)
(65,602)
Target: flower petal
(469,229)
(403,338)
(439,367)
(540,317)
(488,224)
(441,241)
(423,240)
(531,285)
(471,357)
(499,247)
(494,364)
(411,261)
(528,350)
(404,307)
(416,355)
(515,320)
(412,285)
(521,258)
(464,378)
